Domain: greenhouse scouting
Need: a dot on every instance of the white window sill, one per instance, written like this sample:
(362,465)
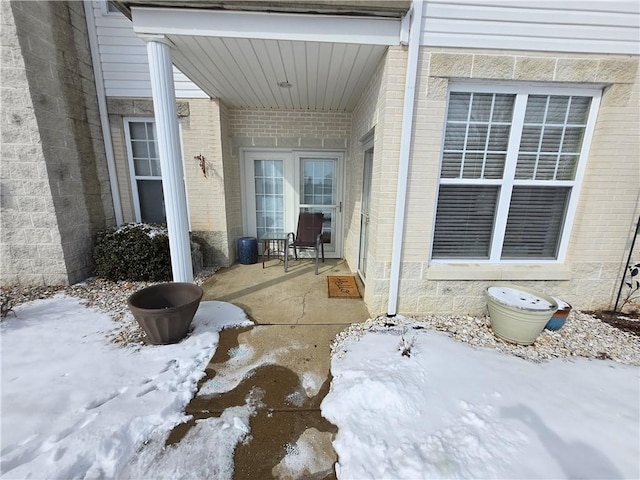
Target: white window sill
(479,271)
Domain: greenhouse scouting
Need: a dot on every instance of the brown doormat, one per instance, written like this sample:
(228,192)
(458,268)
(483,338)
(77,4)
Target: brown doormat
(343,287)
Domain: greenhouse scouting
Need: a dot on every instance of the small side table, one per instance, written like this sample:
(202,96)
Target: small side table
(275,243)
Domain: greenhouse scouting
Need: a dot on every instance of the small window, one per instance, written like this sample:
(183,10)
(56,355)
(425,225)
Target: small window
(109,8)
(146,176)
(509,172)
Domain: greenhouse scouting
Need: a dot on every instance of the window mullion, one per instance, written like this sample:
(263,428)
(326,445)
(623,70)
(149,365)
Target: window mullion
(504,200)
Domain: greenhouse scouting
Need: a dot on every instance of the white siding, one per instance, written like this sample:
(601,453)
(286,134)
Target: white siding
(542,25)
(123,58)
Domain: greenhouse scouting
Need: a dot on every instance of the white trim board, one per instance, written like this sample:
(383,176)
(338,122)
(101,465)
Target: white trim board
(266,26)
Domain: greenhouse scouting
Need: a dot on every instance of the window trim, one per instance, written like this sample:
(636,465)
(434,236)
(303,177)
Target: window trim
(522,91)
(104,9)
(133,178)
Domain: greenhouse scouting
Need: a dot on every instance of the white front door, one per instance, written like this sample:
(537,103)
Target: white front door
(280,184)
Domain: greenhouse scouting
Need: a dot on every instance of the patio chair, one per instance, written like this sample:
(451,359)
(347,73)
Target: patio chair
(309,235)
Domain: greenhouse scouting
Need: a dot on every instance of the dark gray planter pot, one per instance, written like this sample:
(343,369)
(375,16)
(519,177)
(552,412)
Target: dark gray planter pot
(165,311)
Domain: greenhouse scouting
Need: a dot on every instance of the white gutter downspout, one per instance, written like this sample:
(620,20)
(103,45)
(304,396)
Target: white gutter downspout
(405,154)
(102,109)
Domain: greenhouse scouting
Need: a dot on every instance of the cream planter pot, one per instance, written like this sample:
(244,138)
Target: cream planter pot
(519,314)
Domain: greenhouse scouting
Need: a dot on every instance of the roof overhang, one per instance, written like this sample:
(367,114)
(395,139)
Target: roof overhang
(241,57)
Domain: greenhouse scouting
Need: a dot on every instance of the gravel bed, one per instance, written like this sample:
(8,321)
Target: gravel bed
(105,295)
(582,335)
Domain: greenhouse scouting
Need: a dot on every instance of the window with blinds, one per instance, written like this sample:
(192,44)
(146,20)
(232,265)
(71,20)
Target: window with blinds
(146,178)
(508,176)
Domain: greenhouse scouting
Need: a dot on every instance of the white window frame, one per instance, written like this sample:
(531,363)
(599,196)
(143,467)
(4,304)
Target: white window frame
(104,8)
(508,180)
(132,173)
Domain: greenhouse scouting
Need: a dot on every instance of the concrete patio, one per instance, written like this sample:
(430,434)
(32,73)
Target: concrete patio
(285,357)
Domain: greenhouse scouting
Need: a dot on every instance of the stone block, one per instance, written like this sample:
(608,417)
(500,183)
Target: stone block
(16,134)
(576,70)
(120,106)
(617,70)
(411,270)
(429,304)
(43,220)
(55,279)
(39,235)
(462,288)
(437,88)
(24,252)
(33,204)
(534,68)
(407,304)
(13,236)
(264,141)
(242,142)
(618,95)
(450,65)
(49,266)
(493,66)
(15,219)
(288,142)
(311,142)
(334,143)
(475,306)
(143,107)
(182,108)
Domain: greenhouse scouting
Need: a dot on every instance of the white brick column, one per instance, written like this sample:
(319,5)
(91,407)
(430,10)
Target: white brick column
(168,141)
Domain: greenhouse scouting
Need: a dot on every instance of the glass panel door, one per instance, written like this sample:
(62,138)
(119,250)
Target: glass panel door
(320,192)
(364,213)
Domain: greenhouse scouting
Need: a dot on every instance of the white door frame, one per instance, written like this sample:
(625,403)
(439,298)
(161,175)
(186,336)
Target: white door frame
(291,159)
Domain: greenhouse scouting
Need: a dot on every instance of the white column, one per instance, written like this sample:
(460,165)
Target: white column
(168,142)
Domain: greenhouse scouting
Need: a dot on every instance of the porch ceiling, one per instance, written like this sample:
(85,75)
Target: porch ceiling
(245,58)
(245,73)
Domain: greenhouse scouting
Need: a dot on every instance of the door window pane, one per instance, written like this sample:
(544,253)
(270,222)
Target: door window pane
(269,191)
(318,182)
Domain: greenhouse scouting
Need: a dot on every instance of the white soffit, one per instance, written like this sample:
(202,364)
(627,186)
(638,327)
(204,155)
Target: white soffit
(244,65)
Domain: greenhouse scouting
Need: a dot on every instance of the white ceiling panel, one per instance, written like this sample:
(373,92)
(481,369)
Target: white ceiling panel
(245,72)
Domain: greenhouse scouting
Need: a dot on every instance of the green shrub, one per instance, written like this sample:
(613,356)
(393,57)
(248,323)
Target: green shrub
(134,251)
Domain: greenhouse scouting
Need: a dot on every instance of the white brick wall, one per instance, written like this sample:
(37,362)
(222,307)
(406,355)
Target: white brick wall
(289,129)
(380,106)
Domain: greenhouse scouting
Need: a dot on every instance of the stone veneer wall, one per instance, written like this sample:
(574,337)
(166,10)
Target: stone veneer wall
(608,207)
(55,186)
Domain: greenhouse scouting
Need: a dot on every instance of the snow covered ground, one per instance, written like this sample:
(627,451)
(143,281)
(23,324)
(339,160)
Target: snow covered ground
(451,411)
(75,405)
